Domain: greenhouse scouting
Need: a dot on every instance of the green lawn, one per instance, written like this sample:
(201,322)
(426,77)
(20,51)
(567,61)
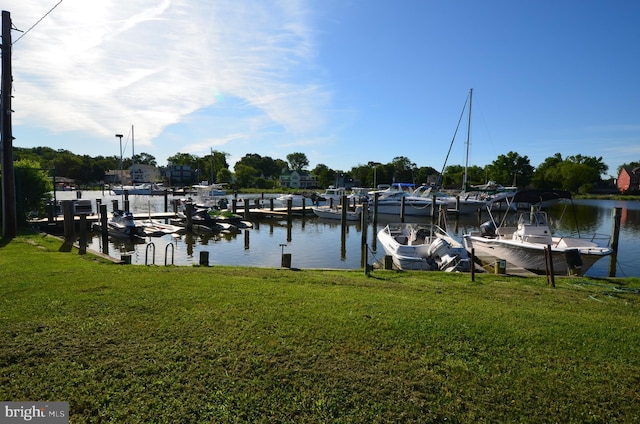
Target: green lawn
(135,344)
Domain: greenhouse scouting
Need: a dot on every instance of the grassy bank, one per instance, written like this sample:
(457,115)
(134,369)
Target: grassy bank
(152,344)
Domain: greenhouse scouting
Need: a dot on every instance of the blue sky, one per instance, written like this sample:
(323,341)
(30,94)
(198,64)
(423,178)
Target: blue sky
(343,81)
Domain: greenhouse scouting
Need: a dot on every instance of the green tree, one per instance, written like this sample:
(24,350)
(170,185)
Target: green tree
(245,175)
(403,169)
(574,175)
(32,187)
(592,162)
(547,175)
(298,161)
(511,169)
(325,175)
(224,176)
(453,176)
(145,159)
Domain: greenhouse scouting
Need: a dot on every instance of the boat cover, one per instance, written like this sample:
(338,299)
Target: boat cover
(538,196)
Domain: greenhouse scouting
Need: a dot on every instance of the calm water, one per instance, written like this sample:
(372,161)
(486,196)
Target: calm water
(318,243)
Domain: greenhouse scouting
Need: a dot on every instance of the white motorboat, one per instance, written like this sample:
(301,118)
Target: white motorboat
(298,200)
(333,196)
(390,202)
(148,189)
(155,228)
(526,244)
(463,205)
(328,212)
(209,194)
(122,225)
(423,247)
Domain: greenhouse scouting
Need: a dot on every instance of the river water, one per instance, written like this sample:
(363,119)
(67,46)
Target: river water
(319,243)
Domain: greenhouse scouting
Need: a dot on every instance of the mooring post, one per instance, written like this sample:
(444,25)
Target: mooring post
(83,235)
(103,229)
(376,195)
(615,236)
(433,209)
(69,225)
(126,201)
(364,242)
(189,215)
(473,265)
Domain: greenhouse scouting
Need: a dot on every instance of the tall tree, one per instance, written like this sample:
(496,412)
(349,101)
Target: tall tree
(325,175)
(547,175)
(511,168)
(32,185)
(298,161)
(404,169)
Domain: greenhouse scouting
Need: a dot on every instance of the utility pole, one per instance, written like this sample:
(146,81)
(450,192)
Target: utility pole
(9,215)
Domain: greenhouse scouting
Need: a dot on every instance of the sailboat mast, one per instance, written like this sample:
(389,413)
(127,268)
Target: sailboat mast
(133,156)
(466,164)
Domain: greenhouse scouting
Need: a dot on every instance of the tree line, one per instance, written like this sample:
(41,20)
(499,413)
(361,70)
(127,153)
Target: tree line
(574,173)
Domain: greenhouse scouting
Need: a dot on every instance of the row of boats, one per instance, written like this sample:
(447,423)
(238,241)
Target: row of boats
(528,242)
(524,239)
(122,224)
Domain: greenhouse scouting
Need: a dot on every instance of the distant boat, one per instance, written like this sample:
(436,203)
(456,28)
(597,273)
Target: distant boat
(390,202)
(464,205)
(147,189)
(328,212)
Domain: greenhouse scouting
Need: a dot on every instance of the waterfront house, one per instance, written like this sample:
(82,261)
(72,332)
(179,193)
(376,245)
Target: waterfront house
(629,180)
(297,179)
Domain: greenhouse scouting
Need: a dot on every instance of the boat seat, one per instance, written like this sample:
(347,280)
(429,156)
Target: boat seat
(402,239)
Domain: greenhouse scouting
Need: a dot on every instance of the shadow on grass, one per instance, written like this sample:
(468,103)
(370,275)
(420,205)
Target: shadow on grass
(65,247)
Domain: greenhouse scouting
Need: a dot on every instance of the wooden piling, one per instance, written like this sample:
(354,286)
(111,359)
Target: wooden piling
(615,237)
(104,230)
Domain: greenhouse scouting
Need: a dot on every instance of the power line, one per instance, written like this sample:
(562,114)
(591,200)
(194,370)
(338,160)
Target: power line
(39,20)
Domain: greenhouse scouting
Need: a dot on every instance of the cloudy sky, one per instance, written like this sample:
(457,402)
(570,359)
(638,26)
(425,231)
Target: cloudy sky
(343,81)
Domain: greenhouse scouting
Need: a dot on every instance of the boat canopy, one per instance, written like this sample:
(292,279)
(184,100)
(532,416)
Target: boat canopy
(539,196)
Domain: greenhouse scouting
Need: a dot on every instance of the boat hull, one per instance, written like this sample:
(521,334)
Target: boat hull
(336,214)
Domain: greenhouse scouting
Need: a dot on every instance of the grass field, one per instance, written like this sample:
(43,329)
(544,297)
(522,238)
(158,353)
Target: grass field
(135,344)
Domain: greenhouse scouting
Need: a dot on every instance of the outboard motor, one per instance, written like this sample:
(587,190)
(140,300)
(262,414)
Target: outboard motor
(488,229)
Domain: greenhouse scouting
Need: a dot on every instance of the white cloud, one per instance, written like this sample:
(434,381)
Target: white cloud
(97,67)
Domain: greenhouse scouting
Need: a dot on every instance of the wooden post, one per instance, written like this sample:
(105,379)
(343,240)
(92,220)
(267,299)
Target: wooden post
(473,265)
(376,195)
(433,209)
(69,225)
(402,204)
(364,242)
(166,200)
(343,214)
(9,211)
(615,235)
(247,204)
(104,230)
(551,279)
(189,214)
(83,235)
